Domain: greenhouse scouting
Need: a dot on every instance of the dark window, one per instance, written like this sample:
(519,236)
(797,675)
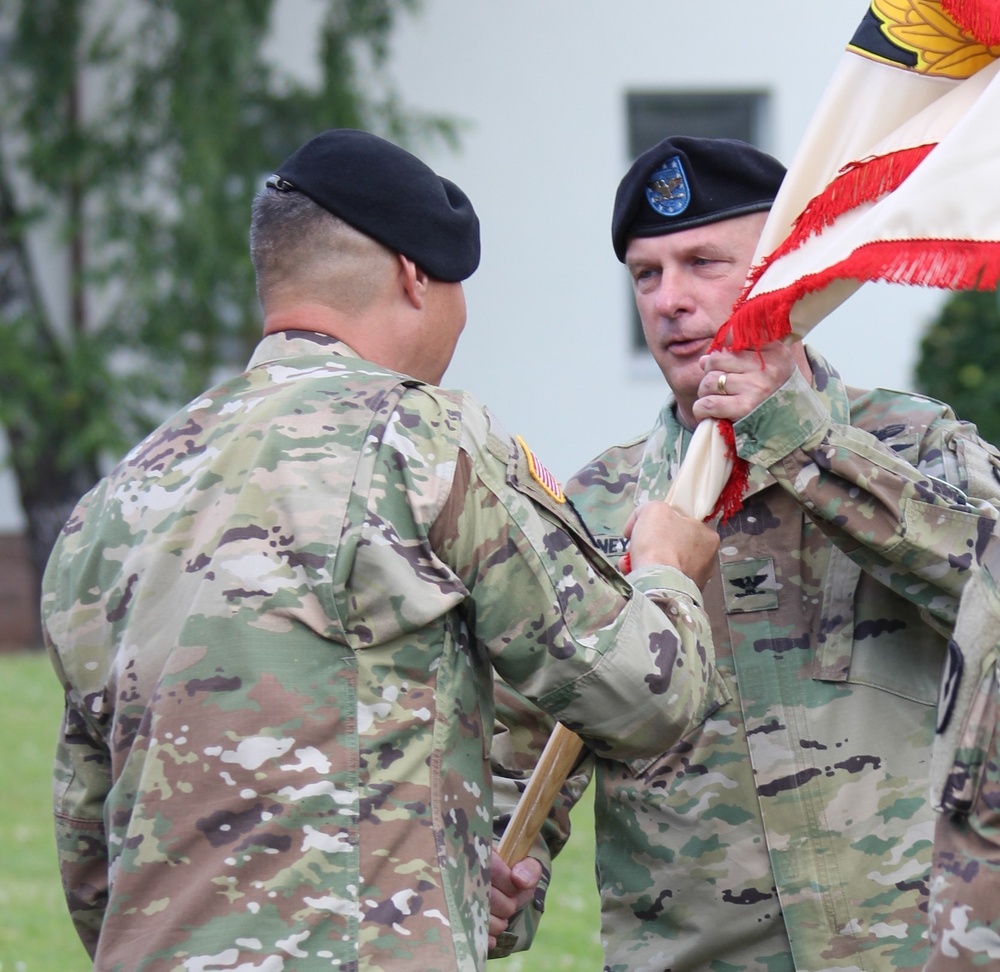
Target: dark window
(706,114)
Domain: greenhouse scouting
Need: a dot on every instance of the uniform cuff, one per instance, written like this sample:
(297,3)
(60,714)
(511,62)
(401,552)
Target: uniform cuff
(506,943)
(791,417)
(663,581)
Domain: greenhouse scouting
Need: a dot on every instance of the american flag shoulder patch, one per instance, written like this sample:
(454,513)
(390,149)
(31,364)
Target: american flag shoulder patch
(541,475)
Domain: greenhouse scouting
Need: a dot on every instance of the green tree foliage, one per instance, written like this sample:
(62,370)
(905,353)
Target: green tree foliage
(133,135)
(958,359)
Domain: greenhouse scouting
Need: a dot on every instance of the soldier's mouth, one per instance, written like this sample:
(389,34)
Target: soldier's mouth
(689,347)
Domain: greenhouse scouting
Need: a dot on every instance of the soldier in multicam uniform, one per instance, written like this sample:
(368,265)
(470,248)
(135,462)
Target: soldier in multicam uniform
(275,621)
(965,878)
(793,830)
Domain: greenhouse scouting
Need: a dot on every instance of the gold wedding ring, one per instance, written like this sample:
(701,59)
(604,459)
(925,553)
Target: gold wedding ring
(720,384)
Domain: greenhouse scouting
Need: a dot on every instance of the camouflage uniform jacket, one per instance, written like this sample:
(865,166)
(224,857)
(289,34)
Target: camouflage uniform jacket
(274,623)
(965,880)
(793,829)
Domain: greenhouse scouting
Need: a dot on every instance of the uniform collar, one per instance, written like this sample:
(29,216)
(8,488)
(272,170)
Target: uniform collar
(297,344)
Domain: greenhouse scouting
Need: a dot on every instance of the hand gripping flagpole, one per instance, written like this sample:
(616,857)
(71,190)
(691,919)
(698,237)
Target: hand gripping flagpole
(694,493)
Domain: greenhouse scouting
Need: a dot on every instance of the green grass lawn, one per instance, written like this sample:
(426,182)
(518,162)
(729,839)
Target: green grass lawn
(35,930)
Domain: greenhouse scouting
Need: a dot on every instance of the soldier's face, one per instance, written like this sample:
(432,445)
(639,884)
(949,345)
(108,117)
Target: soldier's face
(685,285)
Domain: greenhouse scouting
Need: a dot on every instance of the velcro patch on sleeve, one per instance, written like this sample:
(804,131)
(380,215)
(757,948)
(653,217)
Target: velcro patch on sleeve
(951,676)
(541,475)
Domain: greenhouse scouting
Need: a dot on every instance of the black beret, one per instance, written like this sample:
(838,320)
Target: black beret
(390,195)
(685,181)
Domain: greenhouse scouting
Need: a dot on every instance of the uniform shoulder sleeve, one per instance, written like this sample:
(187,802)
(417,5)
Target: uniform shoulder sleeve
(559,622)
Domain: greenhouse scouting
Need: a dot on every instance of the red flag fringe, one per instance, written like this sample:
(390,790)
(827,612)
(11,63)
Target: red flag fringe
(859,182)
(978,18)
(730,500)
(945,264)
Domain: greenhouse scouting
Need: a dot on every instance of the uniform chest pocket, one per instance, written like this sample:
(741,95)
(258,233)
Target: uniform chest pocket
(869,636)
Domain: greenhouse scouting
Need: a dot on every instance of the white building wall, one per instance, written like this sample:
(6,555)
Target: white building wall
(541,85)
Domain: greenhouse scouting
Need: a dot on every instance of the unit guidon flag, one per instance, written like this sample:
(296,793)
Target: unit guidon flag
(896,178)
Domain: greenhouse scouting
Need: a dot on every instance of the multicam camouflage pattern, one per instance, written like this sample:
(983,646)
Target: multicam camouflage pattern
(274,624)
(793,829)
(965,879)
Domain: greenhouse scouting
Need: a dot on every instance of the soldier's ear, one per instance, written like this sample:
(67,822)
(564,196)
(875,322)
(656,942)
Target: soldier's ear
(414,281)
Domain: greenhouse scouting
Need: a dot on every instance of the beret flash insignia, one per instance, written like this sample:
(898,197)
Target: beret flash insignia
(667,190)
